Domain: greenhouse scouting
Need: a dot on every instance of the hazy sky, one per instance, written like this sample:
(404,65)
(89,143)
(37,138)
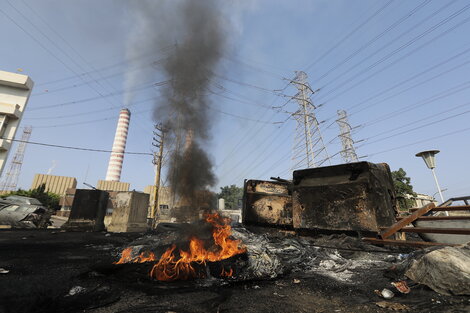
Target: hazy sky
(399,68)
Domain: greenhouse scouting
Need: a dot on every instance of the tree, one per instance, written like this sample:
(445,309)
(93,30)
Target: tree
(48,199)
(231,194)
(403,188)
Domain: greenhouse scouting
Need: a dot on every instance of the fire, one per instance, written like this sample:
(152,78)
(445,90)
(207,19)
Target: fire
(179,264)
(126,257)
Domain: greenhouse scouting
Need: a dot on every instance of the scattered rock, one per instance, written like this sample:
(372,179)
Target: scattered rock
(392,306)
(385,293)
(76,290)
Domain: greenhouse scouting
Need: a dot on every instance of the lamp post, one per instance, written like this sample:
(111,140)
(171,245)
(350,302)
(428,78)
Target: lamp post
(429,159)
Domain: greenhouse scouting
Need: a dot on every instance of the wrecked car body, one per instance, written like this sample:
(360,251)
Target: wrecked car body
(19,214)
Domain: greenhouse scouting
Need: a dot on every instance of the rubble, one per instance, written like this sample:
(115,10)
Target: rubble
(445,270)
(392,306)
(269,256)
(385,293)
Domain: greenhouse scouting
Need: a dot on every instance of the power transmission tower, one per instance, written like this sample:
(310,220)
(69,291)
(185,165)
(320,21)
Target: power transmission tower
(309,149)
(158,141)
(10,181)
(349,152)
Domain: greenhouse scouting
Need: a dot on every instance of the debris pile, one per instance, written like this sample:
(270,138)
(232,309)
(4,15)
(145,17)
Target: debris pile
(445,270)
(267,255)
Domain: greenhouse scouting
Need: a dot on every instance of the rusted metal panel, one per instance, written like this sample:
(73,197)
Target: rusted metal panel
(347,197)
(267,202)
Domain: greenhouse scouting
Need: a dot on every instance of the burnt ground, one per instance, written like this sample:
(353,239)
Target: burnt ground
(45,265)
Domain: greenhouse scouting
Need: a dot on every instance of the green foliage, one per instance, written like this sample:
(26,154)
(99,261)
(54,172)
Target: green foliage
(231,194)
(48,199)
(403,187)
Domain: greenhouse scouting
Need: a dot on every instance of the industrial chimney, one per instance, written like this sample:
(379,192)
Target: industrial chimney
(119,146)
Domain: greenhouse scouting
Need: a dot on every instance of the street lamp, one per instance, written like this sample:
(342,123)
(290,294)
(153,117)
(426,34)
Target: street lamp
(429,159)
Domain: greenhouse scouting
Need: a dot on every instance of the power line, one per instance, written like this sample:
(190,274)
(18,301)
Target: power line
(55,45)
(370,42)
(390,42)
(118,92)
(88,112)
(421,141)
(460,65)
(389,55)
(105,68)
(49,91)
(346,37)
(419,120)
(435,97)
(73,148)
(419,127)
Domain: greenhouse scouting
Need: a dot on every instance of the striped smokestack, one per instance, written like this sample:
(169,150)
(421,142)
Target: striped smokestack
(119,146)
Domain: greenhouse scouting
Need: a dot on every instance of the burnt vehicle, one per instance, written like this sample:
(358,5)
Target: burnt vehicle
(24,212)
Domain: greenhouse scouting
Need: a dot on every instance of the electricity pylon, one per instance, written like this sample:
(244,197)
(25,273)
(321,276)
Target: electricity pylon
(10,180)
(348,154)
(309,149)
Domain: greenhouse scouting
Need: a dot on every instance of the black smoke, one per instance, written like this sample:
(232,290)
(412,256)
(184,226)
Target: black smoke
(196,30)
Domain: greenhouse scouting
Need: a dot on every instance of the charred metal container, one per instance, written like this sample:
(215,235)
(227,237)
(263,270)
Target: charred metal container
(347,197)
(267,203)
(88,210)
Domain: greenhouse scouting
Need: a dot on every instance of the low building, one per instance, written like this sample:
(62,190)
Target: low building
(164,200)
(421,200)
(53,183)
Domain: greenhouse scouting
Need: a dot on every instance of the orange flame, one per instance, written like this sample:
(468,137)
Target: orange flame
(181,265)
(126,257)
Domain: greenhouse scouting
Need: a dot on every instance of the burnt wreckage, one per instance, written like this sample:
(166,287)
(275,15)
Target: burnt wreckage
(354,198)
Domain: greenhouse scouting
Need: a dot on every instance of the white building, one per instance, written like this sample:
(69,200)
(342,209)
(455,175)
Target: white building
(15,90)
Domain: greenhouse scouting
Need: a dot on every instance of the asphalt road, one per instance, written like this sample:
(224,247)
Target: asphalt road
(46,265)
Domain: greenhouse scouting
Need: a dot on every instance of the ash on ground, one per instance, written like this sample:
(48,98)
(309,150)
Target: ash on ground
(273,254)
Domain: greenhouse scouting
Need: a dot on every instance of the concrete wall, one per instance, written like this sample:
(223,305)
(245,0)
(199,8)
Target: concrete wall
(88,210)
(55,184)
(130,212)
(15,90)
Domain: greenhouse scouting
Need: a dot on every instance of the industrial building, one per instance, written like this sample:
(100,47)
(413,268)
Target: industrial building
(112,185)
(15,90)
(54,184)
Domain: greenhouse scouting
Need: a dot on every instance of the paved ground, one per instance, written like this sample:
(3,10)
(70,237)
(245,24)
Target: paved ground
(44,265)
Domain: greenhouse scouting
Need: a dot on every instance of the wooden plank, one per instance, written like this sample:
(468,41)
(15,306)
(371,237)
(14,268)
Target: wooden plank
(420,244)
(447,208)
(436,230)
(440,218)
(405,221)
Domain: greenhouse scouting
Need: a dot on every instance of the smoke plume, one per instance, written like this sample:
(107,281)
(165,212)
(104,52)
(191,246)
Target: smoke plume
(195,28)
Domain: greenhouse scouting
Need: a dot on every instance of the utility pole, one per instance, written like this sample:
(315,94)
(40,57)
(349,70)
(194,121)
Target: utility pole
(309,149)
(10,181)
(349,152)
(158,141)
